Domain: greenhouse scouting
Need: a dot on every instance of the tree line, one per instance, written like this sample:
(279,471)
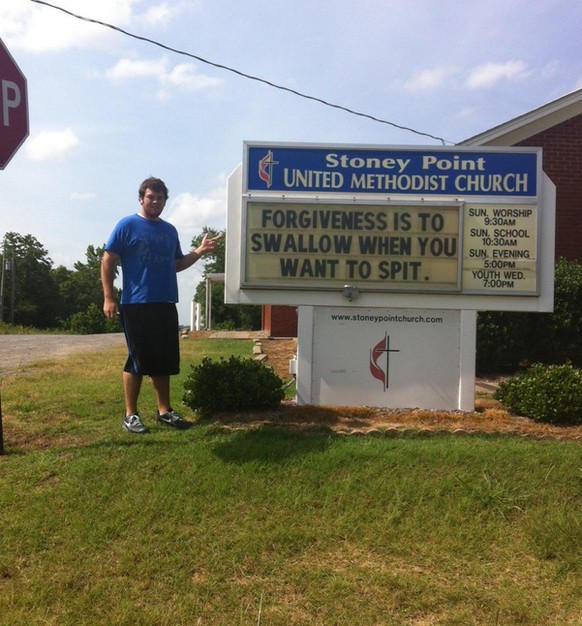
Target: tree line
(36,294)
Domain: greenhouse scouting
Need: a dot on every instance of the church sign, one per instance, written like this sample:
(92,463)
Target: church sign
(385,219)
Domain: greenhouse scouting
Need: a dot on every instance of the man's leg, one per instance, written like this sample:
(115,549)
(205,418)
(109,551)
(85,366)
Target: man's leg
(166,414)
(161,386)
(131,389)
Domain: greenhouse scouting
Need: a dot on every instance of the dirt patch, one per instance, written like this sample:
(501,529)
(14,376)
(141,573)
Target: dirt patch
(491,420)
(279,351)
(489,416)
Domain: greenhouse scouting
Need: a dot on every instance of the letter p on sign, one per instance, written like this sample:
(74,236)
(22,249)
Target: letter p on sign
(10,100)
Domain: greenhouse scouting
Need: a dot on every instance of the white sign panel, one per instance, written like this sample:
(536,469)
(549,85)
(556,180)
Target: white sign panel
(398,358)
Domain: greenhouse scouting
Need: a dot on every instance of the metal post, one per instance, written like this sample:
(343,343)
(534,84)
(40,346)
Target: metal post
(208,307)
(12,287)
(2,283)
(2,319)
(210,278)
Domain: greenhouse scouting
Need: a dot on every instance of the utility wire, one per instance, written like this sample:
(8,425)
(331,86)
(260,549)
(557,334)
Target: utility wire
(240,73)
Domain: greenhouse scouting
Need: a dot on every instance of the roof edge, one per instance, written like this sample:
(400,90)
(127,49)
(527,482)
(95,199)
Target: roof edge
(529,124)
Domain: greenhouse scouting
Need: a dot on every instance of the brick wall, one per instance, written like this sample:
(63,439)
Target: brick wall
(562,162)
(279,321)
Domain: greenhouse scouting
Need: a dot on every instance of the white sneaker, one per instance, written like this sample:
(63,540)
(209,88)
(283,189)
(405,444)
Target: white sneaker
(133,424)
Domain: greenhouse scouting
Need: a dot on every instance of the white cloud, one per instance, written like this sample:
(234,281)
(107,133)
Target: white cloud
(190,213)
(160,14)
(427,79)
(488,74)
(50,144)
(186,77)
(37,28)
(13,18)
(129,68)
(183,76)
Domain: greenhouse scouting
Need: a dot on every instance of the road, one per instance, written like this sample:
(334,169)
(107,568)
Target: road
(17,351)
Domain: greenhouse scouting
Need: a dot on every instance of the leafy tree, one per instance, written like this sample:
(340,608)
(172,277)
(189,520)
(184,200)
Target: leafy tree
(82,296)
(80,288)
(94,256)
(29,282)
(225,316)
(45,297)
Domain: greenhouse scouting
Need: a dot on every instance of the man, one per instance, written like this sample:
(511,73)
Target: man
(149,251)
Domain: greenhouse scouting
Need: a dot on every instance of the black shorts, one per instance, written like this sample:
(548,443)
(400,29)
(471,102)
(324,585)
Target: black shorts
(151,333)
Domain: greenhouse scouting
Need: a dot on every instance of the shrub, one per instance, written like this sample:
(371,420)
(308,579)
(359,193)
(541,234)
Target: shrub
(506,341)
(548,393)
(92,322)
(231,385)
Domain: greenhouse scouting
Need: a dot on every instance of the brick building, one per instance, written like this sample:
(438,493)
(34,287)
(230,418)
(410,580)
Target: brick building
(279,321)
(556,127)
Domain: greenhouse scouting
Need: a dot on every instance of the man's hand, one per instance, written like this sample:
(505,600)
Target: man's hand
(208,244)
(110,308)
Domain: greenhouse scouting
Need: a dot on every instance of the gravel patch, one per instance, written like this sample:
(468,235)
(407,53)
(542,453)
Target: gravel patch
(17,351)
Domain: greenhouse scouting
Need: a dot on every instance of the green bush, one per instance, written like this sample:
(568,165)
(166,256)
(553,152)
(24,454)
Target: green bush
(92,322)
(548,393)
(507,341)
(232,385)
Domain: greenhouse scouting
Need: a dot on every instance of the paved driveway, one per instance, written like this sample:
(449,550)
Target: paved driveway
(19,350)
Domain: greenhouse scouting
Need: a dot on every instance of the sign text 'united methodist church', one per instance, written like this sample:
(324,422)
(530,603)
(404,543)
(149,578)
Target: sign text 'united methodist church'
(392,171)
(419,220)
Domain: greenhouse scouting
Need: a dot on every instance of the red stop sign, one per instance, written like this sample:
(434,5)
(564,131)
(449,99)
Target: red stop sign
(13,107)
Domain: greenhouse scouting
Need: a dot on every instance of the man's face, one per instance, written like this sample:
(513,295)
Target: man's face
(152,204)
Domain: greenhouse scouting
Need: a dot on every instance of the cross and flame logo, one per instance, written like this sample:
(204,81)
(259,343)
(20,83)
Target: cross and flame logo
(266,165)
(379,369)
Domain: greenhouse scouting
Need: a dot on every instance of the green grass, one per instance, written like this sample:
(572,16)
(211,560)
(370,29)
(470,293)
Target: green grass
(12,329)
(272,526)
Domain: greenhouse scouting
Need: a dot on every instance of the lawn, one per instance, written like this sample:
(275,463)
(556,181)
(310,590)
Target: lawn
(271,526)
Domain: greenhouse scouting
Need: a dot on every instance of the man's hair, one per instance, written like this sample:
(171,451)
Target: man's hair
(155,184)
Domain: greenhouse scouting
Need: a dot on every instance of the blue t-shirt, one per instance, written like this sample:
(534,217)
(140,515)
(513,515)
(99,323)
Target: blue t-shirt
(148,250)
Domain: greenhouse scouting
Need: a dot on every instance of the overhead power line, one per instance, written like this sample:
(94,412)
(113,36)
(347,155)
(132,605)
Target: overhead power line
(240,73)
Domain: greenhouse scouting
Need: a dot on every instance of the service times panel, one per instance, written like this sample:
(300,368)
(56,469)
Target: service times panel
(500,243)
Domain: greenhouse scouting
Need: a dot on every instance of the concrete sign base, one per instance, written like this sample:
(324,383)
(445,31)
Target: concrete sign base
(398,358)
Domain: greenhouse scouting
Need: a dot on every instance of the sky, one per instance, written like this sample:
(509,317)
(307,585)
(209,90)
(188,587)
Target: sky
(107,110)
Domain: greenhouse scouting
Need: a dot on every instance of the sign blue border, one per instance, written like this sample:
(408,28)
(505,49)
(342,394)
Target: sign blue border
(420,171)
